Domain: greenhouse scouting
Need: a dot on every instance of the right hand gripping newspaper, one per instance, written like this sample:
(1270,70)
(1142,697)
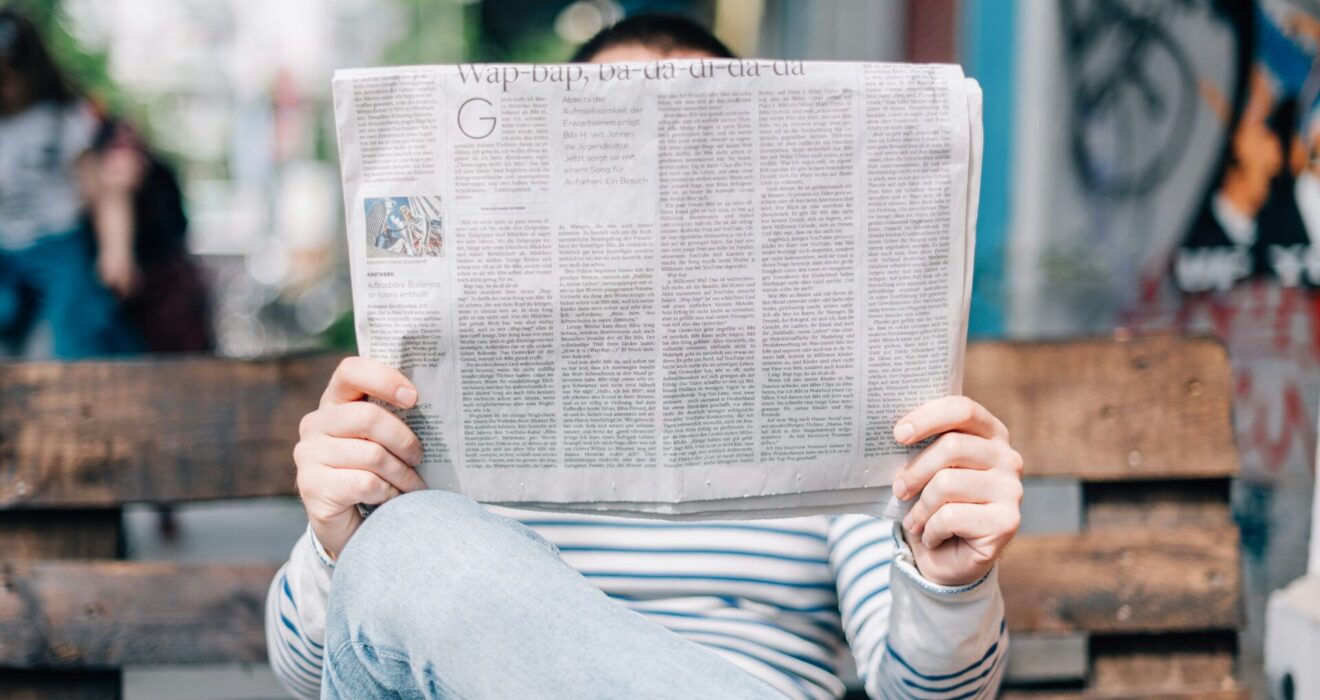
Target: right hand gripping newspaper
(679,289)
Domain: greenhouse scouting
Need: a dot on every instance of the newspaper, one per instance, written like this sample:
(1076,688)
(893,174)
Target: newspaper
(686,289)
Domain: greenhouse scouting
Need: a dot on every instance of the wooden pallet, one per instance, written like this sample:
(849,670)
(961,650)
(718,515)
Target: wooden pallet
(1139,598)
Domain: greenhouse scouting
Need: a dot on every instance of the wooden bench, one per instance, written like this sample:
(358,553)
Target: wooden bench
(1124,583)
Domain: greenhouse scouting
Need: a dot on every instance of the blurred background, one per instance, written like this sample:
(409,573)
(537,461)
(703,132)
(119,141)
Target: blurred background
(1148,166)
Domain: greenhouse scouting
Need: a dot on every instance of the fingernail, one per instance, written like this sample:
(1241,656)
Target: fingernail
(406,396)
(900,489)
(907,522)
(903,432)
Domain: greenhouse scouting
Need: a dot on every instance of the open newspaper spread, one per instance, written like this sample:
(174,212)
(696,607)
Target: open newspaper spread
(691,288)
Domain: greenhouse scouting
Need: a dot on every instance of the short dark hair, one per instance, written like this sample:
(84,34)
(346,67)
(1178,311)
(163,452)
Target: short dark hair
(22,50)
(662,32)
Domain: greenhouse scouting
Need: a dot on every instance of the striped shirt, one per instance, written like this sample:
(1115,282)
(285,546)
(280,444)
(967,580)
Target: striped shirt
(786,600)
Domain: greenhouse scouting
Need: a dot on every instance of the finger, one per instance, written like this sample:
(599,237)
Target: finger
(362,455)
(368,421)
(358,377)
(373,489)
(970,521)
(340,489)
(947,414)
(961,486)
(950,450)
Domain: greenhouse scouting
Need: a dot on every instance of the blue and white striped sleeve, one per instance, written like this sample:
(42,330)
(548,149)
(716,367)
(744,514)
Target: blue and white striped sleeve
(912,638)
(295,618)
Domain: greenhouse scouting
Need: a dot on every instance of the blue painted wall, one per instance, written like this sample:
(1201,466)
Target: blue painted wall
(987,41)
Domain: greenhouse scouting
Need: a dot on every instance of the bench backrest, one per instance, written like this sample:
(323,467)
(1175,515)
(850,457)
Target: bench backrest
(1124,583)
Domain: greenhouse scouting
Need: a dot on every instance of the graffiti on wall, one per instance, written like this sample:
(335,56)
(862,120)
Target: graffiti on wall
(1190,140)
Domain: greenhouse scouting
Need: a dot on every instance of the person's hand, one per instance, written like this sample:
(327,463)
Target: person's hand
(115,176)
(121,168)
(970,485)
(118,271)
(352,451)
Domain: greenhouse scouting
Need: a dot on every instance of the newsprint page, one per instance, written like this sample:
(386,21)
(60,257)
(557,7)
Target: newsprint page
(681,289)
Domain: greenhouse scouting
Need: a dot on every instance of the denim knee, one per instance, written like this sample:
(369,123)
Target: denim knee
(407,531)
(416,548)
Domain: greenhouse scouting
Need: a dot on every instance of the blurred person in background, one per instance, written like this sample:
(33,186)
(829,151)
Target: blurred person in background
(50,275)
(92,224)
(165,294)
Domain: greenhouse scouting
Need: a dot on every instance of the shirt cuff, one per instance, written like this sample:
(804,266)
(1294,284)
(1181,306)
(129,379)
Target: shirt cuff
(317,547)
(906,564)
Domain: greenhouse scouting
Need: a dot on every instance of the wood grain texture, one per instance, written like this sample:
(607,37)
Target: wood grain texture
(98,614)
(84,614)
(1138,580)
(104,433)
(1147,408)
(1147,663)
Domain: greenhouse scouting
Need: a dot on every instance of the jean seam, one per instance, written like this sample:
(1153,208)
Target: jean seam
(396,656)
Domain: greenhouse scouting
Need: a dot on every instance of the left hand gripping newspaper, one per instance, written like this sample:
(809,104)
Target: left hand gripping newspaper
(678,289)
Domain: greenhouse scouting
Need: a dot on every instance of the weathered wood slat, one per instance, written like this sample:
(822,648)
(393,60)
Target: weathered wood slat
(1137,580)
(1147,408)
(73,614)
(42,534)
(1164,663)
(104,433)
(97,614)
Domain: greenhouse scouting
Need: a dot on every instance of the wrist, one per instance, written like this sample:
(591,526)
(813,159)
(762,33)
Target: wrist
(920,561)
(331,535)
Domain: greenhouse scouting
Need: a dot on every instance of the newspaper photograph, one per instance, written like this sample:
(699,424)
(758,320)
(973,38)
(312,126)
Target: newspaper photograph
(685,288)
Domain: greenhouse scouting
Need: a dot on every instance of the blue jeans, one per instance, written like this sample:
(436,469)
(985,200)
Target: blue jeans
(435,597)
(54,281)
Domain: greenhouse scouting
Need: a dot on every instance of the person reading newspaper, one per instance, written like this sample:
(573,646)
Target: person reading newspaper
(434,595)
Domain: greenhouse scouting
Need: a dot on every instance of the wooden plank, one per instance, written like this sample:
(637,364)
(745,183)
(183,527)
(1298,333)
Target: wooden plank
(56,534)
(104,433)
(1146,408)
(1163,663)
(98,614)
(35,534)
(1137,580)
(76,614)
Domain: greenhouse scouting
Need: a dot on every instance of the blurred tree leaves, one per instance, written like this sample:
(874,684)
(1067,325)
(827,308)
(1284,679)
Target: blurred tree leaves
(450,31)
(87,69)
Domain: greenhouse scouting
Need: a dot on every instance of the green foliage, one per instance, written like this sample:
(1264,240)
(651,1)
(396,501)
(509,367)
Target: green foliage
(86,69)
(437,32)
(446,31)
